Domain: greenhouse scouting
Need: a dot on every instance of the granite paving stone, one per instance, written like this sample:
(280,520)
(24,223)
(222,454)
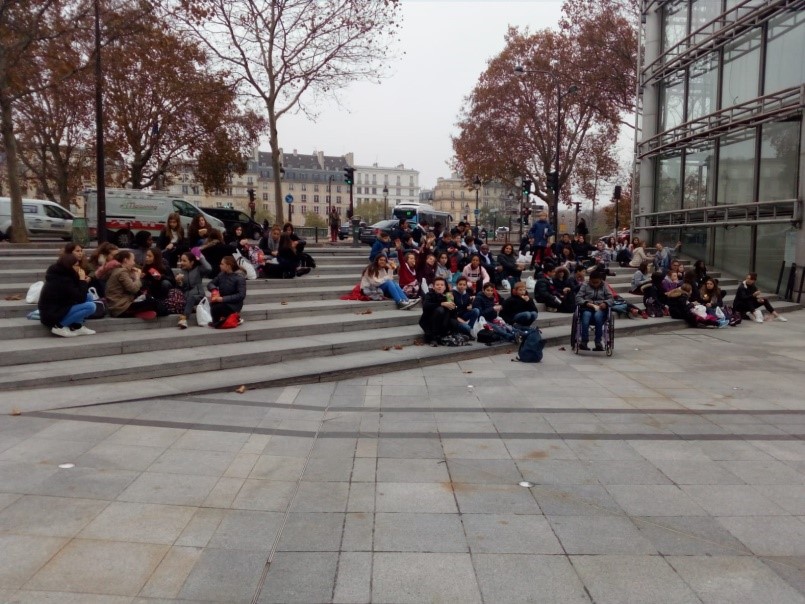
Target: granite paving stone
(99,567)
(300,577)
(170,489)
(494,499)
(139,523)
(427,497)
(246,530)
(600,535)
(575,500)
(224,575)
(321,497)
(768,535)
(512,578)
(510,534)
(725,579)
(654,500)
(353,578)
(23,555)
(732,500)
(312,532)
(49,516)
(411,470)
(419,533)
(266,495)
(423,577)
(689,536)
(632,580)
(484,471)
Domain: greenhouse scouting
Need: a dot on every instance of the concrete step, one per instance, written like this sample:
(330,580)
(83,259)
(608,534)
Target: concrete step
(348,364)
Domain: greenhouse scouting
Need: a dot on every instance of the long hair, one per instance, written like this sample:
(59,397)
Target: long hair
(105,249)
(711,294)
(179,230)
(192,230)
(284,243)
(373,268)
(157,263)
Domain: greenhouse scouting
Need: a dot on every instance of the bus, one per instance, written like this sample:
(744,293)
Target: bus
(417,212)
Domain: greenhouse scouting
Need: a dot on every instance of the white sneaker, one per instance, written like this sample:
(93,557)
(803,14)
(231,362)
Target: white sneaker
(782,318)
(63,332)
(758,316)
(85,331)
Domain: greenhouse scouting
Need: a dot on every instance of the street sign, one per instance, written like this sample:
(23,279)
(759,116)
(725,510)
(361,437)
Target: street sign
(289,198)
(477,212)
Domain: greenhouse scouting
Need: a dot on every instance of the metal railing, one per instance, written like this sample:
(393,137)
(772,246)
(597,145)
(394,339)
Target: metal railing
(775,106)
(764,212)
(717,32)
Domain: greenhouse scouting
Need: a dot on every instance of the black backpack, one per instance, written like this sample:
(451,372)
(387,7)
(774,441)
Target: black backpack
(488,337)
(531,347)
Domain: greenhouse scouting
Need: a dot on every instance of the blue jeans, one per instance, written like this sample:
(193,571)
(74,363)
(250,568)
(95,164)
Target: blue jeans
(393,291)
(470,316)
(524,318)
(79,313)
(599,316)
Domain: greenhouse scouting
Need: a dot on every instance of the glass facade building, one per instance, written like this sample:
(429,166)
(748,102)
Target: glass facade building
(720,154)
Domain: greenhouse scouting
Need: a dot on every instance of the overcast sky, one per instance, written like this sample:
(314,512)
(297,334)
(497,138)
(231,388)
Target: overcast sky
(409,117)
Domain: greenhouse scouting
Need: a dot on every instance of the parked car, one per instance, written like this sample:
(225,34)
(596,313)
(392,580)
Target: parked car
(344,231)
(42,217)
(370,233)
(231,217)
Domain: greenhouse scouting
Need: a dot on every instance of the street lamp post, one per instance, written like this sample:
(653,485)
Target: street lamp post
(520,70)
(467,212)
(100,168)
(576,219)
(385,202)
(477,184)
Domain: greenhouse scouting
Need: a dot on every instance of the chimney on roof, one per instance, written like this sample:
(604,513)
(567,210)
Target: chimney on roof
(320,156)
(294,152)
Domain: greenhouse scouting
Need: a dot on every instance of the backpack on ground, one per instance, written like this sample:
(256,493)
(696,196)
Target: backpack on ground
(488,337)
(653,307)
(531,347)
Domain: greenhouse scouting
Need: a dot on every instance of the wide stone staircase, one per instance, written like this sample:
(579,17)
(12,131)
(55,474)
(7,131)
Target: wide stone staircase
(295,331)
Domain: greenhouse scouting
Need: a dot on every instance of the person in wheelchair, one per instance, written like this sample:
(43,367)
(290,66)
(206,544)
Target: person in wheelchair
(593,300)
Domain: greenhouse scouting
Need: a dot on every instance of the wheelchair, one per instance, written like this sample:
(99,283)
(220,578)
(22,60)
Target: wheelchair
(607,337)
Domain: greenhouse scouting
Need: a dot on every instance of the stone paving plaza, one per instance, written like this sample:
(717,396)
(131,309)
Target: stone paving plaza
(671,472)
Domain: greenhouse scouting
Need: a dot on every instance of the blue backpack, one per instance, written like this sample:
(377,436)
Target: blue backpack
(531,347)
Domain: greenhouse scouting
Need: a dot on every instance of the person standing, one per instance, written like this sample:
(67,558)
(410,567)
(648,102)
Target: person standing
(335,224)
(581,228)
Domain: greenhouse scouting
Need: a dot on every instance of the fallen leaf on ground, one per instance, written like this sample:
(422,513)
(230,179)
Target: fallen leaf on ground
(386,347)
(284,302)
(240,389)
(13,297)
(561,348)
(418,342)
(368,311)
(398,347)
(468,372)
(15,411)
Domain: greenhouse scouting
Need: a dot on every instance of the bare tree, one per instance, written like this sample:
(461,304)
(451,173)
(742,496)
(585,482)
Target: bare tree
(289,53)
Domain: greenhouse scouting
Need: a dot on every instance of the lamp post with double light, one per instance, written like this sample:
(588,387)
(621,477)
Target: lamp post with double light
(553,177)
(385,202)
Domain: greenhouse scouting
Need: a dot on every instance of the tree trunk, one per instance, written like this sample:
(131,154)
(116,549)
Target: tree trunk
(275,165)
(19,232)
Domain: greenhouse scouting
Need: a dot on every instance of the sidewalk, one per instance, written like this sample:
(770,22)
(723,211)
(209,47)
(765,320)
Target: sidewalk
(672,472)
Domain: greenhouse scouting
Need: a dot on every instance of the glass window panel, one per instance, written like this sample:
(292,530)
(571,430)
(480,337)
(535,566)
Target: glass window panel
(736,168)
(672,103)
(694,243)
(785,52)
(668,237)
(779,160)
(699,178)
(674,24)
(770,251)
(732,250)
(741,70)
(703,87)
(702,12)
(669,183)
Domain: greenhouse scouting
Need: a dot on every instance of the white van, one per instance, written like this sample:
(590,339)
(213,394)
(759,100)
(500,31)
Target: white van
(129,211)
(42,217)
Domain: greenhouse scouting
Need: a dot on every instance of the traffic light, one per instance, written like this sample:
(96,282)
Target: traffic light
(349,175)
(553,180)
(526,188)
(617,193)
(250,193)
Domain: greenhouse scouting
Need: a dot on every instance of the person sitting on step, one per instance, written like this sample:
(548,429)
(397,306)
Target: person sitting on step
(466,314)
(519,310)
(125,296)
(749,300)
(64,303)
(189,281)
(228,290)
(439,313)
(377,283)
